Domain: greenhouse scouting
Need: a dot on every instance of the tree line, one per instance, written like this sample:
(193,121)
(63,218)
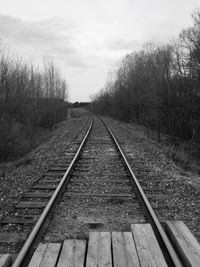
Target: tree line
(31,100)
(158,86)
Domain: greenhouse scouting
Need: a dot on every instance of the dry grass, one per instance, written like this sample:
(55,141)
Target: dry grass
(186,154)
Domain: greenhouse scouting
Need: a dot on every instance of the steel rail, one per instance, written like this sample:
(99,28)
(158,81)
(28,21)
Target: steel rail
(22,256)
(158,229)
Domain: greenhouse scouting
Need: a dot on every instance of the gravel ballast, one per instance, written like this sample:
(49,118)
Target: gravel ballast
(148,159)
(21,174)
(152,165)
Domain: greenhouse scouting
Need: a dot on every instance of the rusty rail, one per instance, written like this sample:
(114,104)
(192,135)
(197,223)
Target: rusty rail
(26,251)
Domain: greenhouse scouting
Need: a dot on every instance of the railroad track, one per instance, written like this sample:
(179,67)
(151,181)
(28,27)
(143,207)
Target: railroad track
(16,226)
(96,189)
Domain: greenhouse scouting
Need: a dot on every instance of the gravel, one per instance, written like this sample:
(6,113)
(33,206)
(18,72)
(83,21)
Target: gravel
(153,167)
(21,174)
(148,159)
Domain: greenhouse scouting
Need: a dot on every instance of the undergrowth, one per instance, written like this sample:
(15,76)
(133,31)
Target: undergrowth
(186,154)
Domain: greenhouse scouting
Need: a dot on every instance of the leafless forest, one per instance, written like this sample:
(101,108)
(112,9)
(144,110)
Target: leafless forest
(158,86)
(31,101)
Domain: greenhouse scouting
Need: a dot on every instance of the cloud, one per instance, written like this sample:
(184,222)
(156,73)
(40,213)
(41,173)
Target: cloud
(71,45)
(52,37)
(120,44)
(25,31)
(79,51)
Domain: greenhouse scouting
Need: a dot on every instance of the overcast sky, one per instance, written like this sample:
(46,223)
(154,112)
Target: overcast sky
(87,38)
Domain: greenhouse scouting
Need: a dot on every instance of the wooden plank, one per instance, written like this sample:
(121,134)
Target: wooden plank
(31,204)
(18,220)
(104,250)
(87,158)
(79,256)
(81,169)
(45,186)
(62,164)
(185,243)
(115,180)
(59,169)
(50,181)
(99,195)
(99,250)
(111,176)
(55,173)
(119,256)
(56,170)
(51,255)
(92,249)
(105,187)
(103,180)
(73,253)
(5,260)
(124,250)
(147,246)
(37,195)
(130,250)
(38,255)
(158,197)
